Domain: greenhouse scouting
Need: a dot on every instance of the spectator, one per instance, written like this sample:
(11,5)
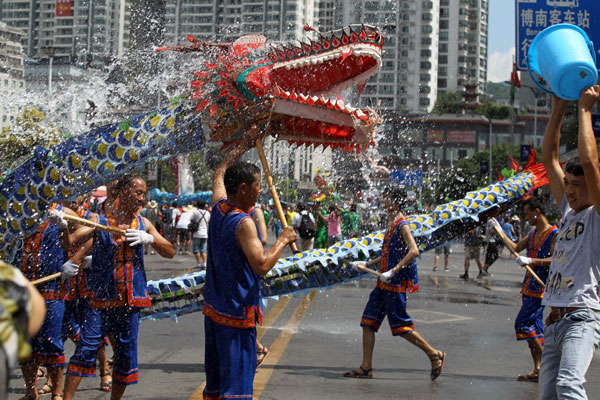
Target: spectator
(200,235)
(334,230)
(183,234)
(304,225)
(320,215)
(350,222)
(438,251)
(167,222)
(152,215)
(472,248)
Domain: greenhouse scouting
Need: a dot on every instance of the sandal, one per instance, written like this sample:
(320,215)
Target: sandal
(58,395)
(533,376)
(261,355)
(46,389)
(362,374)
(41,372)
(106,386)
(437,371)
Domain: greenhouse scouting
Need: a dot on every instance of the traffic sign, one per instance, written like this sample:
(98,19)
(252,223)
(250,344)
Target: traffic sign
(533,16)
(407,177)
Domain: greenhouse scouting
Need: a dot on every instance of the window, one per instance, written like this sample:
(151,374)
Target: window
(424,101)
(425,53)
(426,29)
(425,65)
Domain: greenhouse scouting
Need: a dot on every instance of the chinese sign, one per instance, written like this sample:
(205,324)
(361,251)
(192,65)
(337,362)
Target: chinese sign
(407,177)
(63,8)
(462,136)
(533,16)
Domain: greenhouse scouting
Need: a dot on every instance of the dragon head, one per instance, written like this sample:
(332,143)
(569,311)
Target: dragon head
(292,89)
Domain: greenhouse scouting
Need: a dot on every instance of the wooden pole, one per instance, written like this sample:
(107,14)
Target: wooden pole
(508,244)
(377,274)
(46,278)
(273,189)
(95,225)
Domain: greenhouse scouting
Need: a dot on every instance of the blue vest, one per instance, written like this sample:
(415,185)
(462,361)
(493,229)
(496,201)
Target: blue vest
(42,255)
(117,277)
(232,290)
(394,250)
(531,287)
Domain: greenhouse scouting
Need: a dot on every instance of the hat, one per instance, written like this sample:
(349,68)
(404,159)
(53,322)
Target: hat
(188,208)
(515,218)
(152,204)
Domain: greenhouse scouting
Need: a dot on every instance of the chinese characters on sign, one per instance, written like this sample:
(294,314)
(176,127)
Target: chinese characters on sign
(533,16)
(63,8)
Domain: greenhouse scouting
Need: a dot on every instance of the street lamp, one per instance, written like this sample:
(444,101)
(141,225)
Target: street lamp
(50,52)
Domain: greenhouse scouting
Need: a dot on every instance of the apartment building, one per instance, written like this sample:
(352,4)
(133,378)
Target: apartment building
(12,80)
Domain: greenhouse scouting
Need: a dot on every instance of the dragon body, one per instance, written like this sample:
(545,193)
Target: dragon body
(284,88)
(324,268)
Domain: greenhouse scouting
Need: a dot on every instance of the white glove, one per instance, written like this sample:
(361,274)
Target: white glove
(523,261)
(491,224)
(138,237)
(57,217)
(69,270)
(387,276)
(356,264)
(87,262)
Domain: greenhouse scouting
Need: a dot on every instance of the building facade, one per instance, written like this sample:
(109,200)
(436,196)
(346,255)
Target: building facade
(12,80)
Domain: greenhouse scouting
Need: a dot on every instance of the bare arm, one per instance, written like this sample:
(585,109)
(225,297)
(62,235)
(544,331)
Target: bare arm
(516,247)
(161,245)
(259,219)
(218,180)
(262,260)
(550,148)
(587,147)
(413,250)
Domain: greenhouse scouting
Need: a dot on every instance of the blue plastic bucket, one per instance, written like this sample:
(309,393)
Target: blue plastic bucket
(564,56)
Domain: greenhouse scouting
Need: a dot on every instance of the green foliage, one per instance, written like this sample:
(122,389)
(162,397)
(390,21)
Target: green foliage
(447,103)
(30,130)
(493,111)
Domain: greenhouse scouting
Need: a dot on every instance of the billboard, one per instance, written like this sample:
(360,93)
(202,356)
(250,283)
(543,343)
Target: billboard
(407,177)
(462,136)
(64,8)
(533,16)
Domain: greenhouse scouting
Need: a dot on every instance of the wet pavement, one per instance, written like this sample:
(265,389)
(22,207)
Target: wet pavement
(314,339)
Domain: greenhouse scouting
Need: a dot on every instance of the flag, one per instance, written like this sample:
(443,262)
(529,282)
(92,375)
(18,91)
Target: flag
(515,166)
(514,76)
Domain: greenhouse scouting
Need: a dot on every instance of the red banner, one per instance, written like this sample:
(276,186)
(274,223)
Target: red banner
(462,136)
(435,136)
(64,8)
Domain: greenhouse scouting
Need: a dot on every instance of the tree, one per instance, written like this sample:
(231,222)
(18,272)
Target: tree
(30,130)
(493,111)
(447,103)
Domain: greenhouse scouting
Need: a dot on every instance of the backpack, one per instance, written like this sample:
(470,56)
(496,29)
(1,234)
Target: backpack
(167,215)
(307,229)
(193,226)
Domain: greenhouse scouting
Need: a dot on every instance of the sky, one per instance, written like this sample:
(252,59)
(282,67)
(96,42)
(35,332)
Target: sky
(501,39)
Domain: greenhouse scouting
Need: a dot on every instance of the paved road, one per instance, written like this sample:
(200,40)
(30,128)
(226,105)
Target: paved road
(314,338)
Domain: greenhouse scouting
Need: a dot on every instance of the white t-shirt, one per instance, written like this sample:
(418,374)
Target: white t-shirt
(575,269)
(297,220)
(184,220)
(202,216)
(174,214)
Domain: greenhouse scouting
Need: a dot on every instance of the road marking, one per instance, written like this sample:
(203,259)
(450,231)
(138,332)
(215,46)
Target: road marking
(277,349)
(449,317)
(268,320)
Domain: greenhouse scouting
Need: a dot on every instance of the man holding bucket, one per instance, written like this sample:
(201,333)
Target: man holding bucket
(573,293)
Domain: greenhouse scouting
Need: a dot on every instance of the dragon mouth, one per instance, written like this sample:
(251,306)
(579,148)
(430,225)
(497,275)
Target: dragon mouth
(303,80)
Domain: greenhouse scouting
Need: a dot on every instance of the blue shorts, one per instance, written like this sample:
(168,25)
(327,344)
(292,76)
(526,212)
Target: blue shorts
(47,345)
(383,303)
(199,245)
(229,361)
(70,323)
(529,323)
(123,322)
